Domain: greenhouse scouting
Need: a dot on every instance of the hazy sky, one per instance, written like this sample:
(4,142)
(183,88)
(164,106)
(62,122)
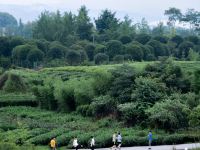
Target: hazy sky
(152,10)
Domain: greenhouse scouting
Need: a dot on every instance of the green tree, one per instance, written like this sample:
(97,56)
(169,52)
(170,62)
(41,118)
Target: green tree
(90,50)
(106,21)
(73,57)
(101,58)
(184,49)
(113,47)
(148,90)
(84,26)
(169,115)
(142,38)
(5,49)
(7,20)
(135,51)
(125,39)
(34,56)
(194,120)
(56,50)
(143,27)
(158,48)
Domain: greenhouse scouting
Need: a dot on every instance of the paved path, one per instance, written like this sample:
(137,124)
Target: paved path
(163,147)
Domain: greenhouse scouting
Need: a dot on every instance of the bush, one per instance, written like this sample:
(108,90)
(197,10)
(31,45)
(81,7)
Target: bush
(14,84)
(118,59)
(169,115)
(131,113)
(103,106)
(194,118)
(101,58)
(148,90)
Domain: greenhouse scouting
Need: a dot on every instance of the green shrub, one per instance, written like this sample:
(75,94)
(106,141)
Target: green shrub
(148,90)
(131,113)
(14,83)
(169,115)
(194,117)
(103,106)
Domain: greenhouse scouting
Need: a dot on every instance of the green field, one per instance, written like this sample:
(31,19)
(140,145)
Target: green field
(22,124)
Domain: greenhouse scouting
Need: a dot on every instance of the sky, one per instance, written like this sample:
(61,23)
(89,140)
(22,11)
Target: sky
(151,10)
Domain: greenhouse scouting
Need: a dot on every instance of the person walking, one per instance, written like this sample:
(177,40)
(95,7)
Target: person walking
(92,143)
(114,138)
(53,144)
(150,138)
(75,143)
(119,141)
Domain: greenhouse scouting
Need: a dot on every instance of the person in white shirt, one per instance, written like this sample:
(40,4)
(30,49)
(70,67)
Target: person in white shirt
(119,141)
(75,143)
(92,143)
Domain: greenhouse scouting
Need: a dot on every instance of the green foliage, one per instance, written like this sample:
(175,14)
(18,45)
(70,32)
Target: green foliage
(45,96)
(135,51)
(125,39)
(169,114)
(106,21)
(123,79)
(7,20)
(73,57)
(131,113)
(184,49)
(196,81)
(14,83)
(142,38)
(103,106)
(118,58)
(101,58)
(114,47)
(148,90)
(194,120)
(158,48)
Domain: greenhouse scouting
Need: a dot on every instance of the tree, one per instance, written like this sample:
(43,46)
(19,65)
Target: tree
(125,39)
(90,50)
(35,55)
(135,51)
(184,49)
(192,17)
(73,57)
(158,48)
(20,53)
(56,50)
(122,83)
(196,81)
(159,29)
(162,39)
(169,115)
(113,47)
(142,38)
(174,15)
(101,58)
(84,26)
(126,27)
(5,49)
(148,90)
(143,27)
(177,39)
(7,20)
(118,58)
(106,21)
(194,120)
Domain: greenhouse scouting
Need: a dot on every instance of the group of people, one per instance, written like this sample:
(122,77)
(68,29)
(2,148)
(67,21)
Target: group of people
(116,139)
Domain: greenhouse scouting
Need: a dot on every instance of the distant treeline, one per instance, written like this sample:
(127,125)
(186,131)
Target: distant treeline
(56,39)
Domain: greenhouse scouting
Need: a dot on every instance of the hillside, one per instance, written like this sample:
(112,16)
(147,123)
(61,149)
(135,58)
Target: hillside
(82,101)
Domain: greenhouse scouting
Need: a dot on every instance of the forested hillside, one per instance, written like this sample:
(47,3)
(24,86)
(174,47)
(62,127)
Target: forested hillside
(66,75)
